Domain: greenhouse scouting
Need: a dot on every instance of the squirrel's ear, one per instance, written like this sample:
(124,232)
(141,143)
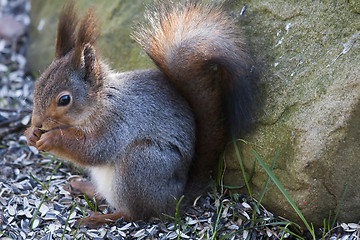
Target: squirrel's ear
(90,65)
(85,38)
(65,39)
(84,56)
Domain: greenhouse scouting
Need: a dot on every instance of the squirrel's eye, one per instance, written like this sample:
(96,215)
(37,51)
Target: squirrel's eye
(64,100)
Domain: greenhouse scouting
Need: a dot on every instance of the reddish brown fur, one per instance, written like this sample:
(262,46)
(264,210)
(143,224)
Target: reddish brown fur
(68,38)
(87,34)
(97,219)
(65,38)
(187,44)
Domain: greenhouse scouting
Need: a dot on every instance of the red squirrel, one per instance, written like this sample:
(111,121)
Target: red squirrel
(146,135)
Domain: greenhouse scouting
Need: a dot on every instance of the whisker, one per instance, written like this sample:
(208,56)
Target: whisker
(62,126)
(61,132)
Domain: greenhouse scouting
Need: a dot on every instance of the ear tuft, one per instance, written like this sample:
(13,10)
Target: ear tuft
(86,37)
(65,37)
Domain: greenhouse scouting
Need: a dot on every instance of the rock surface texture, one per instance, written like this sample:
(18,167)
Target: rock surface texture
(307,56)
(309,86)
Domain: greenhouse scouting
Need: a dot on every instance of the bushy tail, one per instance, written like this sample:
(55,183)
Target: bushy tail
(198,46)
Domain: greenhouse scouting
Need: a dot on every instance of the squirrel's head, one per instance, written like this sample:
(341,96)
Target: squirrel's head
(67,92)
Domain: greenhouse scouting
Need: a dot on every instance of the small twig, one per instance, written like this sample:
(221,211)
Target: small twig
(11,120)
(25,110)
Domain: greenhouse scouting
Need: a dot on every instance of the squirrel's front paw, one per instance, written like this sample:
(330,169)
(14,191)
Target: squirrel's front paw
(33,135)
(48,141)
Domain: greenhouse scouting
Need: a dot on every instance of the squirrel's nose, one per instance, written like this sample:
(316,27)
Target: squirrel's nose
(36,121)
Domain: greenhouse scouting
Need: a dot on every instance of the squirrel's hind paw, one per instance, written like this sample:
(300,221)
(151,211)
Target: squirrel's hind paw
(82,187)
(96,220)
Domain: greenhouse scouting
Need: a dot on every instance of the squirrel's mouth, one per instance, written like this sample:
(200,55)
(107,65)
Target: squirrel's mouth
(43,130)
(54,128)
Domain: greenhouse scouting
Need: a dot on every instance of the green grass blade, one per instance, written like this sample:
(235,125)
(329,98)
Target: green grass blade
(339,207)
(96,204)
(53,172)
(233,187)
(6,235)
(36,212)
(252,173)
(220,169)
(217,224)
(282,190)
(43,186)
(82,218)
(282,235)
(168,216)
(67,221)
(242,169)
(271,224)
(91,206)
(35,179)
(257,206)
(268,178)
(292,233)
(328,223)
(177,213)
(177,219)
(324,230)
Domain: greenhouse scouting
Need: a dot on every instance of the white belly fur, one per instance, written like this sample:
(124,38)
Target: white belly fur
(103,178)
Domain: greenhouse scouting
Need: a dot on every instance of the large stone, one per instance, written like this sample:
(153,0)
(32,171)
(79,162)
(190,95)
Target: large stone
(307,57)
(308,53)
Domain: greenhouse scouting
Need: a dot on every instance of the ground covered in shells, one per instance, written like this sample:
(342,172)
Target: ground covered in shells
(34,204)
